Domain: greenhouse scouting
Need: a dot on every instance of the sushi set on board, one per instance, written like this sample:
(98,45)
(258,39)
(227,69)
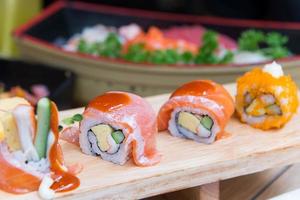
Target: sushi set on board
(122,146)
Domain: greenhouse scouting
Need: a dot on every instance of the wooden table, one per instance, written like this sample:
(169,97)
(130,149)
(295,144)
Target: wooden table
(185,164)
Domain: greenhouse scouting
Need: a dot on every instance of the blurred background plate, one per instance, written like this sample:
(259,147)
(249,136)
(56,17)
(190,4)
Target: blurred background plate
(36,41)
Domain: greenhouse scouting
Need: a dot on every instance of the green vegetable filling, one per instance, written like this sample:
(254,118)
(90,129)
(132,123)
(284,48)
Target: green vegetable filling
(43,126)
(207,122)
(118,136)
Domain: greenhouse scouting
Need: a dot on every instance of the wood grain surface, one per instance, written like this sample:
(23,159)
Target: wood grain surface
(288,182)
(185,163)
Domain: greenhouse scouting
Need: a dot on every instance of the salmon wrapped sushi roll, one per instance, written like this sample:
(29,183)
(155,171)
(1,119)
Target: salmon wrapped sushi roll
(266,98)
(198,110)
(117,125)
(30,156)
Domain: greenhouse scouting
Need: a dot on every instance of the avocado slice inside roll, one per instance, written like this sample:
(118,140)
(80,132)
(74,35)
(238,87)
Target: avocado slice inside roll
(106,138)
(198,124)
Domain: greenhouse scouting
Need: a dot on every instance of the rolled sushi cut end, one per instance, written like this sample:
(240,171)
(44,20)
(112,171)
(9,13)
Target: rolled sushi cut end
(266,98)
(196,124)
(105,139)
(261,106)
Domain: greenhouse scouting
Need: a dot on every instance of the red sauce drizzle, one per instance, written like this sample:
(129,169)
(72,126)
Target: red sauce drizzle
(63,180)
(195,88)
(110,101)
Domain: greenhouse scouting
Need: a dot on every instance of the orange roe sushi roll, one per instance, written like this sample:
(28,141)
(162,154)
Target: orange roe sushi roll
(266,98)
(117,126)
(198,110)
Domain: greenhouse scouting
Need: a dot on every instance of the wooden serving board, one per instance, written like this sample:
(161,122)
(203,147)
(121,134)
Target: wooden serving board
(184,164)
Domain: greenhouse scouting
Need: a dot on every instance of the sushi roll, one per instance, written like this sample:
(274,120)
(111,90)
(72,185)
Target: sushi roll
(30,156)
(266,98)
(117,125)
(198,110)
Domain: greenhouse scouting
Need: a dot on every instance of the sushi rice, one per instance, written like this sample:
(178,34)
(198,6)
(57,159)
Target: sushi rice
(203,136)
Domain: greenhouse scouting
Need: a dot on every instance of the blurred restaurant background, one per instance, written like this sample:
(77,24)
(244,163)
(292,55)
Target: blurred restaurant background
(74,50)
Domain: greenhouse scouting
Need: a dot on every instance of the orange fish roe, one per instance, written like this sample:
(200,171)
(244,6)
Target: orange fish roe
(257,83)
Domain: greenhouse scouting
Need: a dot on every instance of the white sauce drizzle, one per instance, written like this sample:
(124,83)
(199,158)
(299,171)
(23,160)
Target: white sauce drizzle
(45,192)
(274,69)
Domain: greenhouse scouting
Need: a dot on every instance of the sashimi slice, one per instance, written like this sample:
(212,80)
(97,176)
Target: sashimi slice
(193,34)
(13,179)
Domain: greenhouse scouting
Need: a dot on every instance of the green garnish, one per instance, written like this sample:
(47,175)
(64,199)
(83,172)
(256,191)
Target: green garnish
(168,56)
(187,57)
(83,46)
(171,56)
(250,40)
(118,136)
(73,119)
(110,47)
(68,121)
(157,57)
(275,39)
(227,58)
(136,53)
(43,126)
(206,54)
(271,44)
(77,117)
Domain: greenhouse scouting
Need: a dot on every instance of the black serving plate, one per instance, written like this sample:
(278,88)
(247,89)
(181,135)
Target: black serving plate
(59,82)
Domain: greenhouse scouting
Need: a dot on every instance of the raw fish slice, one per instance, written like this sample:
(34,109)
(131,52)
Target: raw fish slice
(13,179)
(200,99)
(134,116)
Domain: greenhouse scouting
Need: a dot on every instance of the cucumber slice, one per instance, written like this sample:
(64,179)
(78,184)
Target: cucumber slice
(118,136)
(43,126)
(207,122)
(273,110)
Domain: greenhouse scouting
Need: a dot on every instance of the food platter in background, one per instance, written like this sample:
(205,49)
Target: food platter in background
(38,41)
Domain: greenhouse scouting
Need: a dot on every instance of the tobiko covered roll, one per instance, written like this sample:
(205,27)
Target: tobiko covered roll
(266,98)
(30,156)
(198,110)
(117,125)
